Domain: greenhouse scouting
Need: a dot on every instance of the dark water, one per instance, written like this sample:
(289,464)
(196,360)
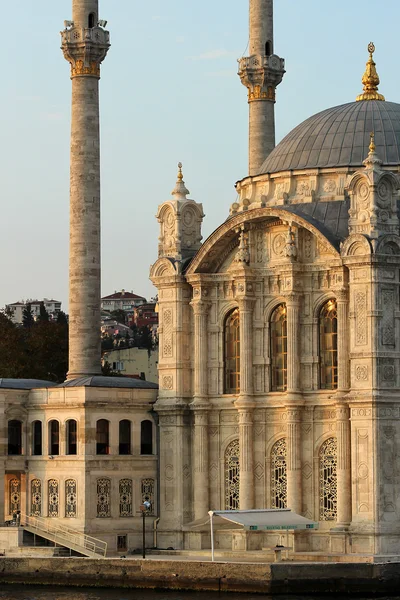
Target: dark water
(17,592)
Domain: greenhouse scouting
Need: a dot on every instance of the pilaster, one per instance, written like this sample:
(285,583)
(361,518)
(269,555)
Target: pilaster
(246,448)
(293,326)
(294,483)
(344,500)
(342,303)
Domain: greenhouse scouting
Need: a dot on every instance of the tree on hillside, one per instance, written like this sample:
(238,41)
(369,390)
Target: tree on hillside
(35,352)
(119,315)
(43,314)
(27,316)
(62,318)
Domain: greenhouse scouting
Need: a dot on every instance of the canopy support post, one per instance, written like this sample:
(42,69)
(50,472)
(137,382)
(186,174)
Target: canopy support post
(211,513)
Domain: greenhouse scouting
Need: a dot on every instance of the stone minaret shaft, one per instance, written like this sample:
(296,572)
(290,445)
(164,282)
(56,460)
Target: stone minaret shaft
(261,72)
(85,44)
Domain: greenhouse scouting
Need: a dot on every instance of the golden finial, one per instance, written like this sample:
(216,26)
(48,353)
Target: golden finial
(372,146)
(370,79)
(180,174)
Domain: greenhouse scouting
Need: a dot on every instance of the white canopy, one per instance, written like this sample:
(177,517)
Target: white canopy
(262,520)
(266,519)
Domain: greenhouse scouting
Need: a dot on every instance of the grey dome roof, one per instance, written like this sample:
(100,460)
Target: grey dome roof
(340,137)
(109,382)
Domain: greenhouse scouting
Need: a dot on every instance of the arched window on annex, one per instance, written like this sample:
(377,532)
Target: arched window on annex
(278,341)
(54,438)
(71,431)
(328,480)
(328,359)
(102,437)
(36,497)
(14,437)
(279,474)
(37,438)
(125,437)
(232,353)
(146,437)
(232,476)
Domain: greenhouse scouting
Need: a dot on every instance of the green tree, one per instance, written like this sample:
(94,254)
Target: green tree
(119,315)
(27,316)
(43,314)
(62,318)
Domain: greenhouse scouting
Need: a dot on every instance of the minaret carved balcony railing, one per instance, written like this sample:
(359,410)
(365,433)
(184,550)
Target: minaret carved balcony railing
(261,75)
(85,49)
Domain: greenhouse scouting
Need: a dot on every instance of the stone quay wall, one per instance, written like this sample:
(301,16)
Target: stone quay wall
(282,578)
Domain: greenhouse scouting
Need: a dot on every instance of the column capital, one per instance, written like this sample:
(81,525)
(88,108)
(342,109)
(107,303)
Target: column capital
(342,295)
(342,412)
(293,414)
(293,299)
(261,75)
(200,307)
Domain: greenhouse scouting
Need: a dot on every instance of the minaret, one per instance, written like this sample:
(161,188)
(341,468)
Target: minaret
(85,44)
(261,72)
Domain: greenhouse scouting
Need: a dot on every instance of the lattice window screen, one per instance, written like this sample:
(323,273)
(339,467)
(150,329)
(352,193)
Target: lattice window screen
(279,474)
(328,480)
(70,498)
(103,498)
(15,496)
(125,498)
(36,498)
(148,494)
(54,497)
(232,476)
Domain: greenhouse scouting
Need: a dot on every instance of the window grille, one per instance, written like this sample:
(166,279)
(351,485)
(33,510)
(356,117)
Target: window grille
(232,476)
(278,328)
(328,364)
(148,494)
(125,498)
(328,480)
(36,497)
(103,498)
(53,497)
(15,496)
(122,543)
(279,474)
(70,498)
(232,353)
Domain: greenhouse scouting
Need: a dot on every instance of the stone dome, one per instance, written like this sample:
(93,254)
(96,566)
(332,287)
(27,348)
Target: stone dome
(340,137)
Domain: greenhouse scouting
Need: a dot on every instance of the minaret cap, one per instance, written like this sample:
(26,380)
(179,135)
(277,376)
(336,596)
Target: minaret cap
(370,79)
(180,191)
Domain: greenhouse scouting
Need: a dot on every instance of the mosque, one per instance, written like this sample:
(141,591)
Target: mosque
(279,362)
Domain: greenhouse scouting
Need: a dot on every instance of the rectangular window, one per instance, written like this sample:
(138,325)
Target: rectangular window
(122,543)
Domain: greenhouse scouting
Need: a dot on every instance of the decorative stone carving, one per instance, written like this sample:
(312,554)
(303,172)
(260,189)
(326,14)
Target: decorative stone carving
(361,318)
(361,372)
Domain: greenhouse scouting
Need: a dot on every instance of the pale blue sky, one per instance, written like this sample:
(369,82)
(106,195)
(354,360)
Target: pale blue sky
(169,93)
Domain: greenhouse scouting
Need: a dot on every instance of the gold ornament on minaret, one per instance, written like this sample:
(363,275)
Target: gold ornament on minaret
(370,79)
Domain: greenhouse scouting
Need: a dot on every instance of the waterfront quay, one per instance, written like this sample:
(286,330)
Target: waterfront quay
(180,574)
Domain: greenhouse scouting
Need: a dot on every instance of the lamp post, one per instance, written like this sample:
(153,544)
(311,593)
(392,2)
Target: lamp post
(145,507)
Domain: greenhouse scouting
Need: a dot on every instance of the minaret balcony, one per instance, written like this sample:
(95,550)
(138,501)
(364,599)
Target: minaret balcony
(79,35)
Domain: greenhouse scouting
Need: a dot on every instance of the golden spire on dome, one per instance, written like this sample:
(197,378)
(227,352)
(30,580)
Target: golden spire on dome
(370,79)
(372,146)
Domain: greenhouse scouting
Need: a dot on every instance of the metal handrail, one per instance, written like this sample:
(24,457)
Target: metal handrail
(64,534)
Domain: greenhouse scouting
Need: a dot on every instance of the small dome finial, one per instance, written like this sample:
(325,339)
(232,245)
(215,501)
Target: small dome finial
(370,79)
(372,146)
(180,191)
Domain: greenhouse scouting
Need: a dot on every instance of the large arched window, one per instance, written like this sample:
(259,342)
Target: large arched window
(14,437)
(37,438)
(279,474)
(232,353)
(278,328)
(328,369)
(54,438)
(146,437)
(102,437)
(328,480)
(232,476)
(125,437)
(71,436)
